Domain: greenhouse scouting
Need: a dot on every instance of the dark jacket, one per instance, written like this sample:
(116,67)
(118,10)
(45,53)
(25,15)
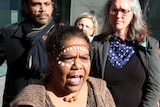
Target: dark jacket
(148,56)
(14,49)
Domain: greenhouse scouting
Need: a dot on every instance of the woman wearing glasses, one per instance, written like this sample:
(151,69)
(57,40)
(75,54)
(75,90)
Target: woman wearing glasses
(126,57)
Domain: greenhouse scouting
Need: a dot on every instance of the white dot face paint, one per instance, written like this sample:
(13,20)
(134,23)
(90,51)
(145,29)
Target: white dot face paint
(74,54)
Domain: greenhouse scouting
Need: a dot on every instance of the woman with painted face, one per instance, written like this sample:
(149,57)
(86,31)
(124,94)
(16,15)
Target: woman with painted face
(67,83)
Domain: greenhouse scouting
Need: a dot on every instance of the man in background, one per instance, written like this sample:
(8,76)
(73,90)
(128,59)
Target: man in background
(22,45)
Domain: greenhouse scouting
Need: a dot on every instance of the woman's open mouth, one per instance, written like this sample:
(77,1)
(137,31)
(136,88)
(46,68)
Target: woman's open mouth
(74,80)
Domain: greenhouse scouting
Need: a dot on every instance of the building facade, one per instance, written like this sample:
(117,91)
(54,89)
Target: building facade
(9,11)
(66,11)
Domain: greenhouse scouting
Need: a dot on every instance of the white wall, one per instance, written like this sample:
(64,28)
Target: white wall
(3,69)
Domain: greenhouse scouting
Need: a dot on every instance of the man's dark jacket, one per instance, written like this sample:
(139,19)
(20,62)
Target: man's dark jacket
(14,49)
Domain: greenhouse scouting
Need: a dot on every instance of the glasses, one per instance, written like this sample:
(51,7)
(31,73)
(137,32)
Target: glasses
(124,12)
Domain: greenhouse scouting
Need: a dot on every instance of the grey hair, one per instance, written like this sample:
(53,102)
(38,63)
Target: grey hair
(138,27)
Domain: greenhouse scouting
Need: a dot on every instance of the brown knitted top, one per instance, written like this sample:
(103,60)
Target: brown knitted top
(35,95)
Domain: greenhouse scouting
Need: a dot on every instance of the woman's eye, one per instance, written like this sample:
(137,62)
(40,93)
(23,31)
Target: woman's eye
(125,11)
(69,58)
(84,59)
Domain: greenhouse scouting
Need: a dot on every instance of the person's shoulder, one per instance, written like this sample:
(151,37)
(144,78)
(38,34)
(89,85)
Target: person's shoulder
(33,95)
(101,92)
(12,26)
(153,41)
(100,37)
(100,40)
(90,78)
(97,82)
(33,90)
(33,87)
(151,38)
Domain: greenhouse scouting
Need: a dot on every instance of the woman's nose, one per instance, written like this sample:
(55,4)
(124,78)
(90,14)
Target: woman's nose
(119,14)
(77,63)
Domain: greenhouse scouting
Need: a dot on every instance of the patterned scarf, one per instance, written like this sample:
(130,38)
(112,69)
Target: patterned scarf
(37,57)
(120,51)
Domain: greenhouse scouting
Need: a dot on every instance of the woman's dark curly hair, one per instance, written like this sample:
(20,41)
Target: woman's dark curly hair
(59,35)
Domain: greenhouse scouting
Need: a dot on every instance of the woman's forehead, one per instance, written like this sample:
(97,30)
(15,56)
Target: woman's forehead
(76,47)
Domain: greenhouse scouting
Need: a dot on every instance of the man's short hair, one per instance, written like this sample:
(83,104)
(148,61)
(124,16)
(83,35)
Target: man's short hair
(26,1)
(23,14)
